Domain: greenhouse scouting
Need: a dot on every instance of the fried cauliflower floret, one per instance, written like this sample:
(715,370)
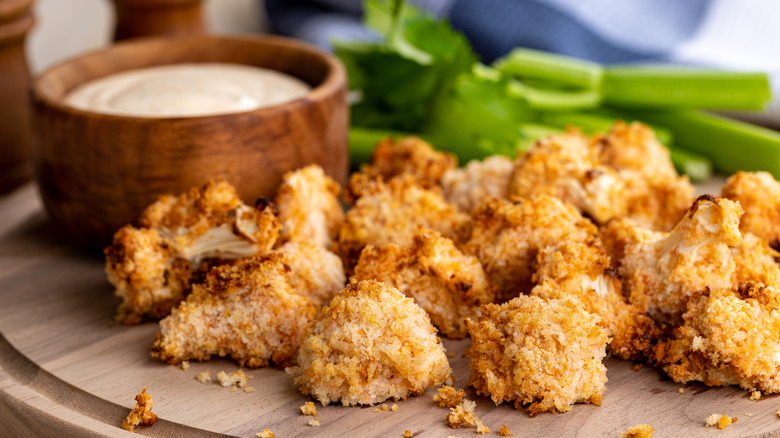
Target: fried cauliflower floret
(246,311)
(566,166)
(141,413)
(665,271)
(152,267)
(447,284)
(469,186)
(309,207)
(657,197)
(543,354)
(391,213)
(728,337)
(506,237)
(315,272)
(583,270)
(759,195)
(371,343)
(409,156)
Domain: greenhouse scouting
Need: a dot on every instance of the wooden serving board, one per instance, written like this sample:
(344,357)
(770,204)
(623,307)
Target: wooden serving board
(66,368)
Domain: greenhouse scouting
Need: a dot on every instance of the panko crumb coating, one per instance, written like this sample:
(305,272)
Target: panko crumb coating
(141,413)
(391,212)
(447,284)
(246,311)
(449,397)
(152,267)
(583,270)
(728,338)
(309,206)
(546,354)
(371,343)
(657,197)
(506,237)
(315,272)
(409,156)
(567,167)
(759,195)
(469,186)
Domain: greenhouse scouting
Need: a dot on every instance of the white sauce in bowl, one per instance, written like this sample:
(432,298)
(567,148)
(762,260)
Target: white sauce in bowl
(187,90)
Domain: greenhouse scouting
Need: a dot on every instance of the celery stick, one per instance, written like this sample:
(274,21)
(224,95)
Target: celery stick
(730,144)
(696,166)
(554,99)
(527,63)
(650,87)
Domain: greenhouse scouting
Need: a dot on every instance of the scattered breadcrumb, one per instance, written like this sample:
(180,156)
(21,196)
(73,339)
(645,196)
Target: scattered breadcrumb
(681,391)
(448,397)
(266,434)
(377,410)
(237,378)
(314,422)
(308,408)
(248,389)
(504,431)
(755,395)
(463,416)
(203,377)
(639,431)
(721,420)
(451,355)
(233,389)
(408,434)
(749,414)
(394,407)
(384,407)
(637,367)
(185,365)
(141,413)
(778,412)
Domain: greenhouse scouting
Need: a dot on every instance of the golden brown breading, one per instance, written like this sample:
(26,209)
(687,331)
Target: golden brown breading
(462,415)
(506,237)
(639,431)
(246,311)
(469,186)
(141,413)
(369,344)
(391,213)
(315,272)
(447,284)
(152,267)
(309,206)
(544,354)
(728,337)
(583,270)
(656,196)
(759,195)
(449,397)
(409,156)
(566,166)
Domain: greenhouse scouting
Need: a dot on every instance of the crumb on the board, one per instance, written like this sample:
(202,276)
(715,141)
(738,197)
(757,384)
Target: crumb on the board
(185,365)
(249,389)
(377,410)
(755,395)
(203,377)
(722,421)
(639,431)
(141,413)
(463,416)
(237,378)
(308,408)
(394,407)
(448,397)
(681,391)
(314,422)
(384,407)
(637,367)
(451,354)
(408,434)
(265,434)
(504,431)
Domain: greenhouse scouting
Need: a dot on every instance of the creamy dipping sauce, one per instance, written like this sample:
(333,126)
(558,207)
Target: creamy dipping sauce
(187,90)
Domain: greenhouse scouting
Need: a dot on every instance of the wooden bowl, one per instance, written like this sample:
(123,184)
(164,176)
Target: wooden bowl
(97,172)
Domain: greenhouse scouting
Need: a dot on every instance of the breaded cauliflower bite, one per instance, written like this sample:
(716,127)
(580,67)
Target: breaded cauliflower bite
(371,343)
(657,197)
(469,186)
(391,212)
(409,156)
(729,337)
(152,267)
(582,270)
(759,195)
(314,272)
(566,166)
(506,237)
(447,284)
(309,206)
(246,311)
(546,354)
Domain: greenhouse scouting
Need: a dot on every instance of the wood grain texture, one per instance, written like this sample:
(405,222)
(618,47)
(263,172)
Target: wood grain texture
(98,172)
(137,18)
(67,369)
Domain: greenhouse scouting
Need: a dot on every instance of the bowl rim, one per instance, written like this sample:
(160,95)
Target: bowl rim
(335,79)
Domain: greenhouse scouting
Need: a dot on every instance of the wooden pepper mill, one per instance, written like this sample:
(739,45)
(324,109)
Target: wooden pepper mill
(16,20)
(136,18)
